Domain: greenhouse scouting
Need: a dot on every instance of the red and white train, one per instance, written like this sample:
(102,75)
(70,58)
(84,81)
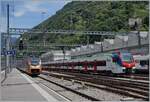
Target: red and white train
(118,63)
(142,63)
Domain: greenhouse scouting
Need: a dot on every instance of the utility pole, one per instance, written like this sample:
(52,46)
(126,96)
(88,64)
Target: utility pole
(102,39)
(137,27)
(88,37)
(44,36)
(7,44)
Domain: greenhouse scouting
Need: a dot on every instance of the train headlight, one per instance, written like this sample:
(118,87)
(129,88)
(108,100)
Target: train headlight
(133,67)
(123,68)
(32,66)
(38,66)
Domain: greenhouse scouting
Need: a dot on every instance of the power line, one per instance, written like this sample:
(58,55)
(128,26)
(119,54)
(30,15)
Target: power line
(63,32)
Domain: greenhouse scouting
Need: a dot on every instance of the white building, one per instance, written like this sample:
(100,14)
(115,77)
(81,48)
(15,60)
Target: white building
(98,46)
(108,44)
(144,37)
(46,57)
(55,55)
(133,39)
(58,55)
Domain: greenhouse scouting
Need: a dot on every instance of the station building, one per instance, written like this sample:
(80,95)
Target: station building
(55,55)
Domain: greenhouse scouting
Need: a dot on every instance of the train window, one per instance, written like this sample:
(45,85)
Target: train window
(127,58)
(35,61)
(101,63)
(144,62)
(89,65)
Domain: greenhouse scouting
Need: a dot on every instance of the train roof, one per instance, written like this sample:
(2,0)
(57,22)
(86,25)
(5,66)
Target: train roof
(98,57)
(141,57)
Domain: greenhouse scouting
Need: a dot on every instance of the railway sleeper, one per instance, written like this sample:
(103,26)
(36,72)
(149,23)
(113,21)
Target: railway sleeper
(109,88)
(81,94)
(108,83)
(116,90)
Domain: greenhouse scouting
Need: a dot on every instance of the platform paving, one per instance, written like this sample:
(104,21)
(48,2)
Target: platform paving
(19,87)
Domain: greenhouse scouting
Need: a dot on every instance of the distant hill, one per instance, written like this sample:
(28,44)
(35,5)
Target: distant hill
(93,16)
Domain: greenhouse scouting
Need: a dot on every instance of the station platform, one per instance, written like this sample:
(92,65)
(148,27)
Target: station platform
(20,87)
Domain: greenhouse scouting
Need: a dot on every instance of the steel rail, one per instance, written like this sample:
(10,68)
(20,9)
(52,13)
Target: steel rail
(74,91)
(113,87)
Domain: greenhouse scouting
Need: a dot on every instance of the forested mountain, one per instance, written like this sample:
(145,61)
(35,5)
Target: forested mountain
(93,16)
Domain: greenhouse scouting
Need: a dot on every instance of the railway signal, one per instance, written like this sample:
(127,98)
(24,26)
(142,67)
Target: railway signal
(21,46)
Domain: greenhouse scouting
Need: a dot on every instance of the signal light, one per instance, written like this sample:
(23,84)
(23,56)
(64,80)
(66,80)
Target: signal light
(21,44)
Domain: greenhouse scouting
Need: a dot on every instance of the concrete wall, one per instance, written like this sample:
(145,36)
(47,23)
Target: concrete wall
(108,44)
(120,42)
(144,37)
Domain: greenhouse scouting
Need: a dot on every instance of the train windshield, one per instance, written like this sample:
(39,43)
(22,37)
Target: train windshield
(35,62)
(127,58)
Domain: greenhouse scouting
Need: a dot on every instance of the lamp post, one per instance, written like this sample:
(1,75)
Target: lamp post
(4,49)
(88,37)
(137,27)
(8,41)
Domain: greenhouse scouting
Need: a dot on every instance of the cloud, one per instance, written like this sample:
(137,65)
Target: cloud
(19,13)
(3,24)
(30,6)
(35,8)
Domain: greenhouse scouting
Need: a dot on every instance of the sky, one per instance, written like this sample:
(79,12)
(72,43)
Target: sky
(28,13)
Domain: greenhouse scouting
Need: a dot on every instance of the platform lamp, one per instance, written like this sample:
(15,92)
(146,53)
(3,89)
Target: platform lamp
(135,24)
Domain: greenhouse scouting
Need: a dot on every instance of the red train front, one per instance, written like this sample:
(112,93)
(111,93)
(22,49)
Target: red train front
(125,59)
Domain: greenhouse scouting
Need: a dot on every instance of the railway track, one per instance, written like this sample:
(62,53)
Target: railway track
(129,76)
(136,76)
(62,97)
(69,89)
(116,79)
(128,88)
(108,78)
(90,98)
(117,87)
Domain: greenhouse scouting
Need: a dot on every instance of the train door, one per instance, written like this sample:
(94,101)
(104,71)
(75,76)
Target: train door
(108,64)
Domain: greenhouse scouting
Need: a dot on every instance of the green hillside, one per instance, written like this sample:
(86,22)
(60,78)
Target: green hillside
(93,16)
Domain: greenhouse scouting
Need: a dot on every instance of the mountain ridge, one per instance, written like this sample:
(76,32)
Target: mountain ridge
(93,16)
